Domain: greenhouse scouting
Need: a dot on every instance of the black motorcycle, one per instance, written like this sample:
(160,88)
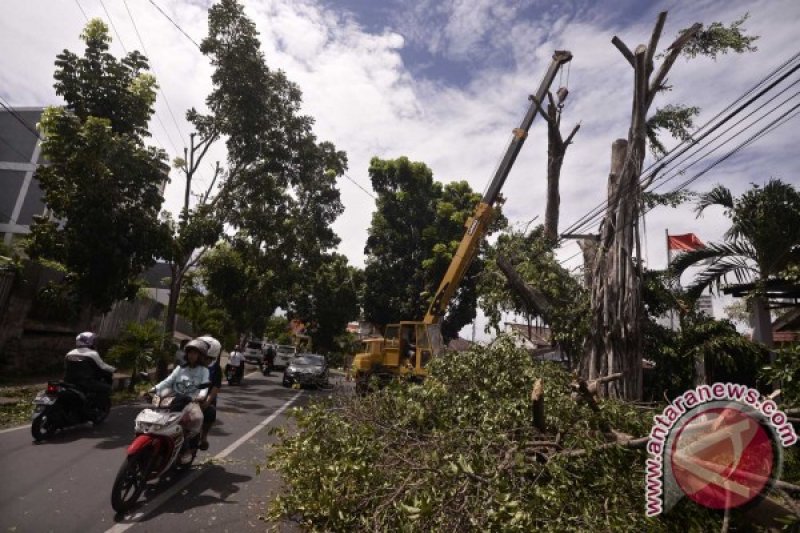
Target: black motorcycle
(233,375)
(63,405)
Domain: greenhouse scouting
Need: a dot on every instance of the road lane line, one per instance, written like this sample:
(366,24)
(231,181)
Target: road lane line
(172,491)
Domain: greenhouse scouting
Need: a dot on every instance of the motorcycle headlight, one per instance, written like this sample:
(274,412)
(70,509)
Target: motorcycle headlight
(291,370)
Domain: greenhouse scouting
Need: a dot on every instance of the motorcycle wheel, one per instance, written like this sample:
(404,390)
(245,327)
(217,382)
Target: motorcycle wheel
(42,428)
(102,414)
(130,480)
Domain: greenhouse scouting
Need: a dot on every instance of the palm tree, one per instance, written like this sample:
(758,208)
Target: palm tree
(762,243)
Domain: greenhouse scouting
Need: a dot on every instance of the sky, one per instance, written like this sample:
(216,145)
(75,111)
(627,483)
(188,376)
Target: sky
(443,82)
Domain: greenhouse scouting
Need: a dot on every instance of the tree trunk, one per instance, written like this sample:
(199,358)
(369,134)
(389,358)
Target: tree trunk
(175,282)
(615,343)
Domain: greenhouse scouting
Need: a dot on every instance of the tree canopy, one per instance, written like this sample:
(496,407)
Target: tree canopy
(415,230)
(102,184)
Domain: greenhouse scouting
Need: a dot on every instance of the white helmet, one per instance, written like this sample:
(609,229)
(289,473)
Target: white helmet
(87,339)
(214,347)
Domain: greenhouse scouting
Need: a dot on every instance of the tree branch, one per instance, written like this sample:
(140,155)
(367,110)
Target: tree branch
(654,38)
(624,50)
(533,298)
(674,51)
(568,141)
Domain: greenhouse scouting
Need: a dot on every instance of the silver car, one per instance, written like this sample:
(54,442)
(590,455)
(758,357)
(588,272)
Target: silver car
(306,369)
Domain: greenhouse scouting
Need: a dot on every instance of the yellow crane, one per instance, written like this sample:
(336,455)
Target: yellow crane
(406,348)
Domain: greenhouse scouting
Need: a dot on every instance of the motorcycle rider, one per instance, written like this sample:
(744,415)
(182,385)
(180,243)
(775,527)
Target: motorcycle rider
(84,368)
(236,360)
(188,377)
(209,405)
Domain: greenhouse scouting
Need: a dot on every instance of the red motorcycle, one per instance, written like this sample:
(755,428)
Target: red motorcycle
(167,436)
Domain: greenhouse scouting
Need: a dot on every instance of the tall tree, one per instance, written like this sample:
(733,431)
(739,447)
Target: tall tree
(102,184)
(326,299)
(280,194)
(414,234)
(762,243)
(615,342)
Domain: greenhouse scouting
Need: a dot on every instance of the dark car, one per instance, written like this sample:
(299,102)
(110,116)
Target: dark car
(306,369)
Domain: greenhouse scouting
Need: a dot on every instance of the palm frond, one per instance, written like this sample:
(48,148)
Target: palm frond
(719,271)
(714,252)
(719,195)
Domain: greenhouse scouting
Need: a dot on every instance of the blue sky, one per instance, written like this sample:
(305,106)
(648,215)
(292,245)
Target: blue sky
(441,81)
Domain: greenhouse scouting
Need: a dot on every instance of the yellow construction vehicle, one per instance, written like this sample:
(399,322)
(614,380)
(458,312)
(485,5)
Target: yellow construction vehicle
(406,348)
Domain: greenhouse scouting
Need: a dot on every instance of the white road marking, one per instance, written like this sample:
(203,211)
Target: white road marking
(175,489)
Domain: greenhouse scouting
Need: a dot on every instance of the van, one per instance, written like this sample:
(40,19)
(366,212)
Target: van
(254,352)
(283,355)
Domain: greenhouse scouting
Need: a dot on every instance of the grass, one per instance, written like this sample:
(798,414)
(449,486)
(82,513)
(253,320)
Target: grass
(18,411)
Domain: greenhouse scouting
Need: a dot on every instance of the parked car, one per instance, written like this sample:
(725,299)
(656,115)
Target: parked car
(284,353)
(254,352)
(306,369)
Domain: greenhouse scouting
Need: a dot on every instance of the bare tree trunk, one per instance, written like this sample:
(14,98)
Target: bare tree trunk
(556,148)
(615,342)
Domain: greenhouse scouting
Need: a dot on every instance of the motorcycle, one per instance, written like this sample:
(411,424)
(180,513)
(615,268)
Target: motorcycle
(234,375)
(167,437)
(62,405)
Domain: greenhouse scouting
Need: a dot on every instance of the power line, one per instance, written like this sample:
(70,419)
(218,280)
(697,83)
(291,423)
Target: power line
(113,27)
(82,11)
(144,49)
(175,24)
(7,106)
(692,142)
(359,185)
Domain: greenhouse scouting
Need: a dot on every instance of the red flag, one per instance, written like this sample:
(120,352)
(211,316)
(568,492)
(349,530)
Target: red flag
(686,242)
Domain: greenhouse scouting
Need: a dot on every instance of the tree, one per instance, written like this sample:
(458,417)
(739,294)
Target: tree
(327,299)
(531,255)
(279,194)
(415,230)
(136,347)
(237,286)
(102,185)
(615,341)
(762,243)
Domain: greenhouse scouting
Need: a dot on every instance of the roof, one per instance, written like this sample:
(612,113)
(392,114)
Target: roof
(539,335)
(459,345)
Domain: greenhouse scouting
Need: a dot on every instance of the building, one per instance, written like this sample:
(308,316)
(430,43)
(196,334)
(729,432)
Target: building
(20,155)
(704,305)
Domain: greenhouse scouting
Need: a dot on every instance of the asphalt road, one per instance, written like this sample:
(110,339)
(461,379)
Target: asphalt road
(65,484)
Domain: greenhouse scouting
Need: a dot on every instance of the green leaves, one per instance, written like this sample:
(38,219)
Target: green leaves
(102,182)
(458,453)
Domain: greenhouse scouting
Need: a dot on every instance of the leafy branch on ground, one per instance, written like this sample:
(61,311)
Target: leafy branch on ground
(459,452)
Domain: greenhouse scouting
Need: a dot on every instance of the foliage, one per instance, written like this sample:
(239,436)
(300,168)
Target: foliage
(56,301)
(458,453)
(327,299)
(728,355)
(16,413)
(677,120)
(137,347)
(237,286)
(672,198)
(415,230)
(536,263)
(280,194)
(718,39)
(205,318)
(761,242)
(277,330)
(101,184)
(786,371)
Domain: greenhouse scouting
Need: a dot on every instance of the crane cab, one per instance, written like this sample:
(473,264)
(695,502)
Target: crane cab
(404,350)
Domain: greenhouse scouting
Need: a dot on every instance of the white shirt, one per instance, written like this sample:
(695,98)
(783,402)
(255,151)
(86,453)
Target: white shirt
(93,355)
(236,358)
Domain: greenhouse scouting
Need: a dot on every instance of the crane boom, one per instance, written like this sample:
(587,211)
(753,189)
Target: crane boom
(477,225)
